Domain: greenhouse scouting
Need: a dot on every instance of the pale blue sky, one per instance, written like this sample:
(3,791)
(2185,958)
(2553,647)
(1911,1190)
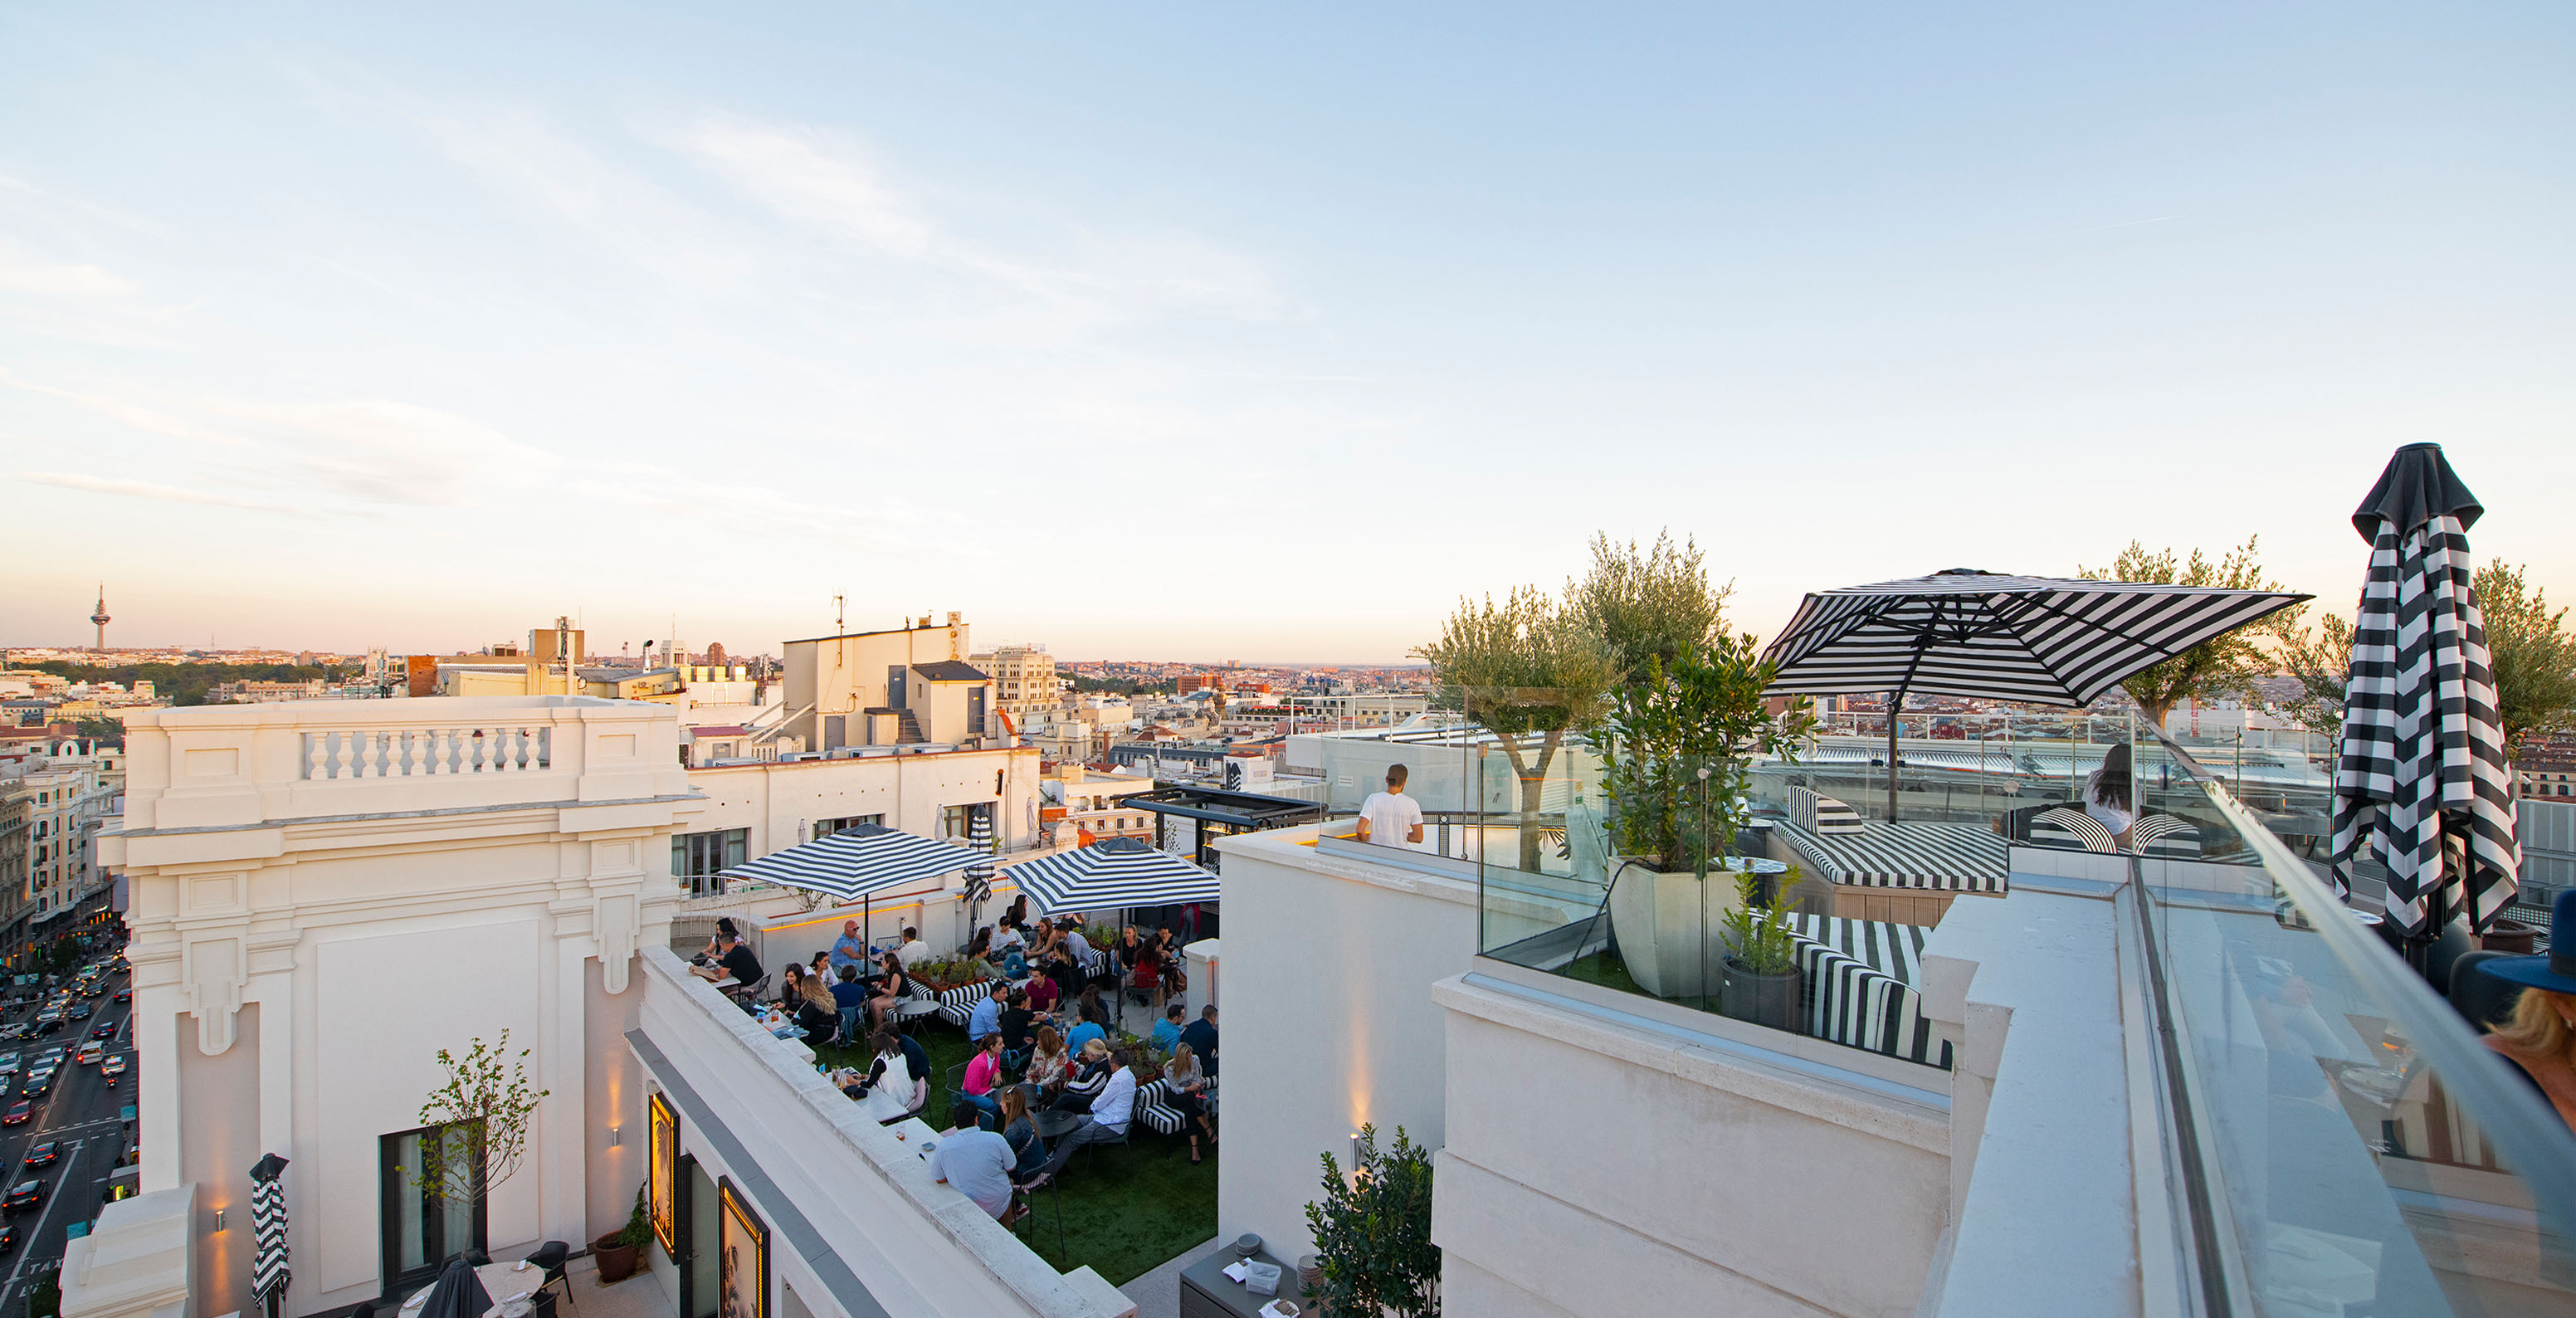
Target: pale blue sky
(1203,332)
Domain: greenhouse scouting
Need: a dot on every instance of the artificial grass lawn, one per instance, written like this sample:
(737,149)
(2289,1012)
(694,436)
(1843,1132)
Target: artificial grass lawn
(1127,1209)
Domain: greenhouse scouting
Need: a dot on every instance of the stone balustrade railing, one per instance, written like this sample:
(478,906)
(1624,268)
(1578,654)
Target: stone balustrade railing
(425,752)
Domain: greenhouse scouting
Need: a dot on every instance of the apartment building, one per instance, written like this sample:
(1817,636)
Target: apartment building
(1024,680)
(754,807)
(908,686)
(69,787)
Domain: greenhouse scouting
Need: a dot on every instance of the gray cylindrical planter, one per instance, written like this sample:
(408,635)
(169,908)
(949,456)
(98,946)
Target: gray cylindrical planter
(1762,999)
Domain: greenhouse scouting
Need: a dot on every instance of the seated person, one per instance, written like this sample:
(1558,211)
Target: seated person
(1008,936)
(1049,1059)
(983,1075)
(849,949)
(2540,1038)
(1167,1031)
(1201,1037)
(987,1015)
(714,951)
(980,946)
(978,1164)
(914,951)
(813,1009)
(734,959)
(1090,1075)
(1014,964)
(1188,1087)
(1105,1120)
(1076,946)
(902,1066)
(892,987)
(1021,1134)
(850,1001)
(1017,1020)
(1086,1032)
(1044,993)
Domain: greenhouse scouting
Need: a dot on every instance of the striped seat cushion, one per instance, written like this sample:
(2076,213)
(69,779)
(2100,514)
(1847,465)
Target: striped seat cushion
(1939,857)
(1858,980)
(2167,836)
(956,1004)
(1822,814)
(1154,1107)
(2064,827)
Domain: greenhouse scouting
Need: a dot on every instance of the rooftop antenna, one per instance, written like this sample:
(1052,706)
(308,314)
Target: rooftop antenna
(840,612)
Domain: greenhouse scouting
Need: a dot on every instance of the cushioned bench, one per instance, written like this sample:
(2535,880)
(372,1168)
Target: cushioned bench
(1859,982)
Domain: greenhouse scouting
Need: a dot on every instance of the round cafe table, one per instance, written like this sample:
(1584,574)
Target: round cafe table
(1052,1124)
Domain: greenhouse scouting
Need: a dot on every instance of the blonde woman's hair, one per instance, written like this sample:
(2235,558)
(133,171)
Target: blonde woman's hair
(1094,1048)
(2539,1024)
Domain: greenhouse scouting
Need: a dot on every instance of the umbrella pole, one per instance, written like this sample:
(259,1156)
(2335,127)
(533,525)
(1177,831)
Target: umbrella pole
(1895,702)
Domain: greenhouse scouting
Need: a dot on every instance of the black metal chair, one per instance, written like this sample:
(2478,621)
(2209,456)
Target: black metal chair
(550,1256)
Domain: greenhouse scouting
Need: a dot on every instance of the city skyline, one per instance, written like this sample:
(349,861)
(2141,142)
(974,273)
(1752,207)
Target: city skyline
(353,328)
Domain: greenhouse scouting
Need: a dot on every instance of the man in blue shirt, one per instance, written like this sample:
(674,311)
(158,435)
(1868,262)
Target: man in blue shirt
(987,1016)
(851,997)
(850,950)
(1167,1031)
(1201,1037)
(1084,1033)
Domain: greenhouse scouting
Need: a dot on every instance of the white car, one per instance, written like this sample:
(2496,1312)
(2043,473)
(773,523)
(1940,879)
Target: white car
(8,1063)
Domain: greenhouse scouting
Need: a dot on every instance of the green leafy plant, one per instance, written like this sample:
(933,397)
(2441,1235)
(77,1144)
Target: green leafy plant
(2533,655)
(638,1230)
(1373,1233)
(481,1115)
(1677,751)
(1525,669)
(1757,932)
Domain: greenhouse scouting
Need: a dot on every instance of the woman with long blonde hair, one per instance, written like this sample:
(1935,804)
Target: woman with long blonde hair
(2541,1037)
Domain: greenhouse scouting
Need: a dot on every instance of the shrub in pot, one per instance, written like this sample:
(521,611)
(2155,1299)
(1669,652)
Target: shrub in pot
(1760,982)
(1677,753)
(617,1252)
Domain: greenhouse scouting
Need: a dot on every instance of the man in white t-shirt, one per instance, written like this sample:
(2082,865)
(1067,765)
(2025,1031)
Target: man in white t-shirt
(1390,818)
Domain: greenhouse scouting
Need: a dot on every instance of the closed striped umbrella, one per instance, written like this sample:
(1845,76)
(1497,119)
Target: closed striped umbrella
(1112,873)
(268,1272)
(2421,783)
(855,862)
(979,839)
(2044,640)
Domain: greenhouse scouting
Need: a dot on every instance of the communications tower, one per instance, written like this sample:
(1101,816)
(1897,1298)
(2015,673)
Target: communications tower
(98,617)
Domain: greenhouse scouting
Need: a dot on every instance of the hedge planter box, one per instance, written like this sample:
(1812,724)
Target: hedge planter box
(1762,999)
(1667,924)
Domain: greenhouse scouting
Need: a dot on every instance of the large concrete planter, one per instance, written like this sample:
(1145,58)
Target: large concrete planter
(1667,924)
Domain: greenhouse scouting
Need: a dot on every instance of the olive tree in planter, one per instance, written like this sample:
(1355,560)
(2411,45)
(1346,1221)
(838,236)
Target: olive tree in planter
(1373,1233)
(1760,982)
(1677,753)
(1526,668)
(480,1118)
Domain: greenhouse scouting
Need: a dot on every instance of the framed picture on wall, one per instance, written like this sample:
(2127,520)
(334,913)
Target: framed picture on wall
(743,1283)
(665,1175)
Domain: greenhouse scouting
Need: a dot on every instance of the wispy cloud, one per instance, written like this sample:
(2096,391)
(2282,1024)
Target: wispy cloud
(133,489)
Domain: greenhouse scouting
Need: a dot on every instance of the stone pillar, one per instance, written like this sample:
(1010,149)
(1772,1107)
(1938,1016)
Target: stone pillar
(1202,958)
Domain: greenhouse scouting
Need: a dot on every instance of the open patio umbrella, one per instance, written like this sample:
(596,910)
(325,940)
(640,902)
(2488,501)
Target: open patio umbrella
(2421,783)
(857,862)
(1113,872)
(1962,632)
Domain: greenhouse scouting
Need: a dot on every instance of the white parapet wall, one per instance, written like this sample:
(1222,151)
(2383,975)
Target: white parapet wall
(857,1224)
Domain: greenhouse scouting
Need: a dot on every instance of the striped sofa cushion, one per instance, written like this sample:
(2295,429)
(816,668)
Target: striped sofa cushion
(2065,827)
(1858,981)
(956,1004)
(1934,857)
(1822,814)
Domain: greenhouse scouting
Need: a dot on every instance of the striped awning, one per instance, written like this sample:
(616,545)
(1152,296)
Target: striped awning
(1966,633)
(268,1271)
(2421,783)
(855,862)
(1113,872)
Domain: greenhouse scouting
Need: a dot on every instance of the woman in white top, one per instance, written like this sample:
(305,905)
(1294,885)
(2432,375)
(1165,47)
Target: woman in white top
(2108,795)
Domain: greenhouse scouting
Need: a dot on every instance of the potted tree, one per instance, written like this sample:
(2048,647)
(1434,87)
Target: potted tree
(616,1253)
(1760,982)
(1677,755)
(1373,1233)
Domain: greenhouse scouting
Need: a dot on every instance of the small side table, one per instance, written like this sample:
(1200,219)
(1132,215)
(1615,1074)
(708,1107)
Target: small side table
(1206,1292)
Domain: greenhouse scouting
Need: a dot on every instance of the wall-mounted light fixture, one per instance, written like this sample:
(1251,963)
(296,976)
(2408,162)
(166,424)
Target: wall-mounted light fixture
(219,1219)
(615,1134)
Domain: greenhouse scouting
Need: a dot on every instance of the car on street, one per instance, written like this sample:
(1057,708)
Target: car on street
(23,1196)
(103,1030)
(41,1154)
(37,1083)
(8,1238)
(112,1068)
(90,1052)
(125,995)
(8,1063)
(19,1114)
(48,1022)
(78,1011)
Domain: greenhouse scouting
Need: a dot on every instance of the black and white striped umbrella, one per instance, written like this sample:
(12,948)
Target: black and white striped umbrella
(2421,783)
(1112,873)
(2044,640)
(268,1271)
(979,840)
(856,862)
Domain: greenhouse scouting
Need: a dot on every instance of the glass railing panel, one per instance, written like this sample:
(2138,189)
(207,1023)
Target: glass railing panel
(2362,1152)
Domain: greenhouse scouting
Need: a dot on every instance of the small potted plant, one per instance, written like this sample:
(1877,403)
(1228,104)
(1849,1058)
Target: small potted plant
(1677,757)
(1760,982)
(617,1252)
(947,973)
